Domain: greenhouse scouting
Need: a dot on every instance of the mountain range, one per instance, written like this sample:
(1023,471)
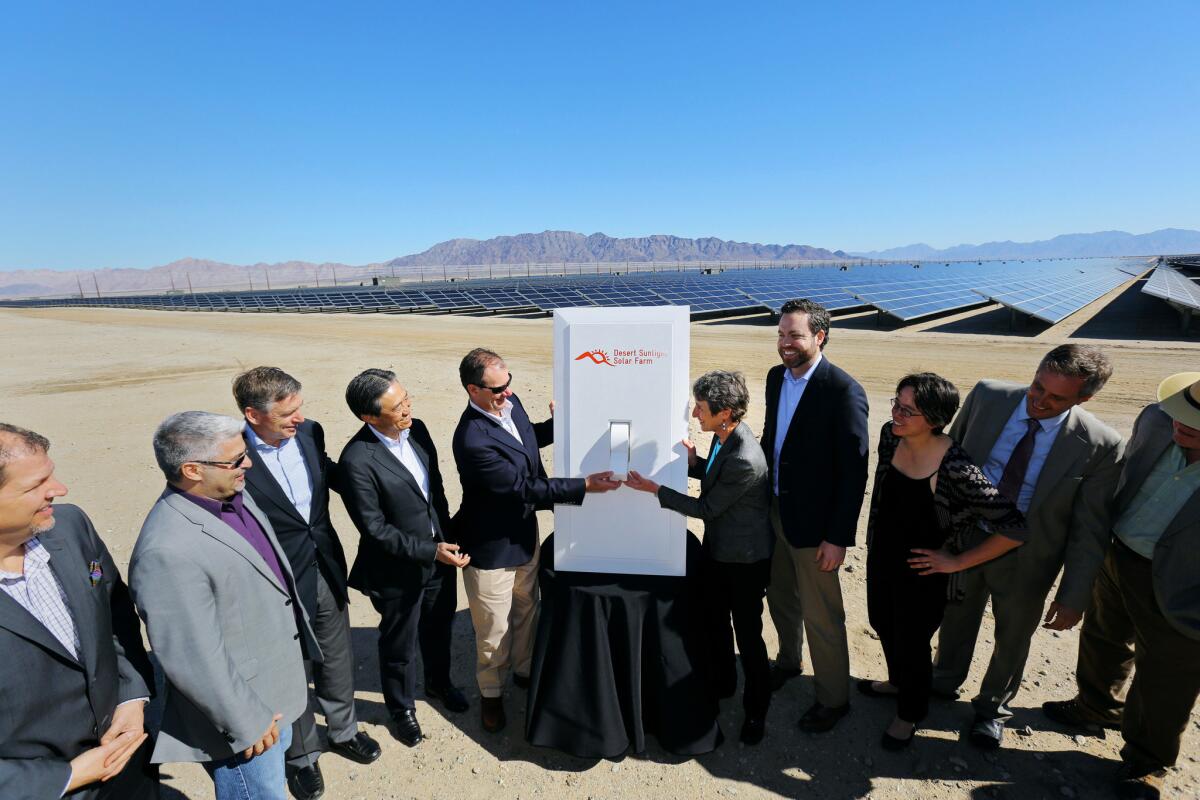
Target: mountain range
(1071,245)
(555,247)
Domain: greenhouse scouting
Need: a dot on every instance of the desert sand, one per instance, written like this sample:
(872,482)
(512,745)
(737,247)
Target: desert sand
(97,382)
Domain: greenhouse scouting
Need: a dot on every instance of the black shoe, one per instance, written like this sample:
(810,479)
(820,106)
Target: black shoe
(867,687)
(781,675)
(360,747)
(941,694)
(986,733)
(753,730)
(408,730)
(306,783)
(893,744)
(451,696)
(491,714)
(520,681)
(820,719)
(1071,714)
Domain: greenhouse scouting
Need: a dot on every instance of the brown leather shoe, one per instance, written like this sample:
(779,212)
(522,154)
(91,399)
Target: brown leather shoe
(491,714)
(1139,783)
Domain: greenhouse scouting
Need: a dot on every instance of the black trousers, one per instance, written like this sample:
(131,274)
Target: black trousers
(422,616)
(905,609)
(737,591)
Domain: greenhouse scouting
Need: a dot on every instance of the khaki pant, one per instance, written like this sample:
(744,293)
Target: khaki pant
(504,612)
(1124,631)
(803,599)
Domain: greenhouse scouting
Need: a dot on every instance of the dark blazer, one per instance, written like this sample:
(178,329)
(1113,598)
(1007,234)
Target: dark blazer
(1176,563)
(313,544)
(503,484)
(396,551)
(1068,517)
(734,501)
(52,706)
(823,464)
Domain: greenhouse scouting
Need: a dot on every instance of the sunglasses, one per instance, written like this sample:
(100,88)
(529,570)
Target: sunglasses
(237,462)
(497,389)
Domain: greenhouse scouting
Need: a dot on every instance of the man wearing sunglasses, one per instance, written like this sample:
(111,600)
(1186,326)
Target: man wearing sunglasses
(220,604)
(504,484)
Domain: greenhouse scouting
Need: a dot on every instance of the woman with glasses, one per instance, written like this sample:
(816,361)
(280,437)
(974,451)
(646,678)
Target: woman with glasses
(734,503)
(930,508)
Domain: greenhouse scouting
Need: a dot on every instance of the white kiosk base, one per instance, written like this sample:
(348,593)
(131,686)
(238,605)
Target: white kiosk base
(621,395)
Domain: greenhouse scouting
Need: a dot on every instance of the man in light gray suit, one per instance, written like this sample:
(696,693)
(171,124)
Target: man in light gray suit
(219,601)
(1144,615)
(1059,464)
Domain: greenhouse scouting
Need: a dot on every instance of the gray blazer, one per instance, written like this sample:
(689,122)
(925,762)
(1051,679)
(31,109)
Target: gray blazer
(734,501)
(1176,564)
(1068,517)
(223,628)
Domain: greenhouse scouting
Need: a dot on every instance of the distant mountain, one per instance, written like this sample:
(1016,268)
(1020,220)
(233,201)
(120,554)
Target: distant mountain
(1070,245)
(551,247)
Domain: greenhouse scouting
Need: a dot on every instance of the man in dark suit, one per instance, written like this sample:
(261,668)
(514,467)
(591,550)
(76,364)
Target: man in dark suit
(291,486)
(815,440)
(1059,465)
(392,488)
(503,485)
(73,676)
(1144,612)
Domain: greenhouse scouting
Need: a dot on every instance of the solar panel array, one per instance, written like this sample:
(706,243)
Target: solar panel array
(1048,290)
(1174,287)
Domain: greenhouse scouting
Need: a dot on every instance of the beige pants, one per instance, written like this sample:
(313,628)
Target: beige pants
(504,612)
(803,599)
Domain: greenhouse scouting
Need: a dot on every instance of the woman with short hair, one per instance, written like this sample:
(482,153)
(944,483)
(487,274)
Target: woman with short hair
(734,503)
(929,507)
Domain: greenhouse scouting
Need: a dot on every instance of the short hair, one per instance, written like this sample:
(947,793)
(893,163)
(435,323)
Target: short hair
(723,390)
(470,369)
(365,389)
(192,436)
(1080,361)
(935,397)
(818,315)
(22,443)
(262,387)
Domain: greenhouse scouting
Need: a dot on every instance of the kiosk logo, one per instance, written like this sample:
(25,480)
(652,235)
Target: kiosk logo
(597,357)
(638,357)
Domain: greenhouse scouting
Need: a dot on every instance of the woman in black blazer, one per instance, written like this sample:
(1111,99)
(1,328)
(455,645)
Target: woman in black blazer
(734,503)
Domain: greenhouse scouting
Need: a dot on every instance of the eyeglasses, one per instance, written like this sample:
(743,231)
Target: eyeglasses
(904,412)
(237,462)
(497,389)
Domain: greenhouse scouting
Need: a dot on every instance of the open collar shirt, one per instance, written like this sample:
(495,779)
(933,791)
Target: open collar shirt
(505,419)
(38,591)
(790,392)
(287,466)
(402,450)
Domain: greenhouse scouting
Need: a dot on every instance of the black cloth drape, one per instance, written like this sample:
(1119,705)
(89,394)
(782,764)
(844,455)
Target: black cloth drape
(618,657)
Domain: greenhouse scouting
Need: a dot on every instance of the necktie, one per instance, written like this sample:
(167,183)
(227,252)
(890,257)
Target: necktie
(712,457)
(1018,463)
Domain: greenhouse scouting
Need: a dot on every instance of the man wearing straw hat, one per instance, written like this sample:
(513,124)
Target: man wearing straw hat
(1144,614)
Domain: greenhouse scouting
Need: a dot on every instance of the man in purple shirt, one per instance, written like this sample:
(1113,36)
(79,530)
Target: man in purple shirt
(220,605)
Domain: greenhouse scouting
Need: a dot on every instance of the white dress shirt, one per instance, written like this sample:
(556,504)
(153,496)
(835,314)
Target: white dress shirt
(789,398)
(1015,430)
(505,418)
(402,450)
(38,591)
(286,464)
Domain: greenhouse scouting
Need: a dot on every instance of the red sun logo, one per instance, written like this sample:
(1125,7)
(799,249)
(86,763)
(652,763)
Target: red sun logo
(597,357)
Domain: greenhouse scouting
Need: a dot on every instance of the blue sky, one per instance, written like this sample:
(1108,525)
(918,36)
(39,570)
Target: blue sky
(137,133)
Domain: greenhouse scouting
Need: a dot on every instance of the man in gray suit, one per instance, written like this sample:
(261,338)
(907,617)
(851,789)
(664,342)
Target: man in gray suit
(1059,464)
(219,601)
(1144,614)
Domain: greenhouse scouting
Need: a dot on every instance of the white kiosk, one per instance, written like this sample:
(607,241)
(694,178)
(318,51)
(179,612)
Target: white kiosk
(621,395)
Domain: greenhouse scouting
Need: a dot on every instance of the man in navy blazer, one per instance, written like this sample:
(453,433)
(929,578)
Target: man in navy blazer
(74,676)
(816,443)
(291,486)
(503,486)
